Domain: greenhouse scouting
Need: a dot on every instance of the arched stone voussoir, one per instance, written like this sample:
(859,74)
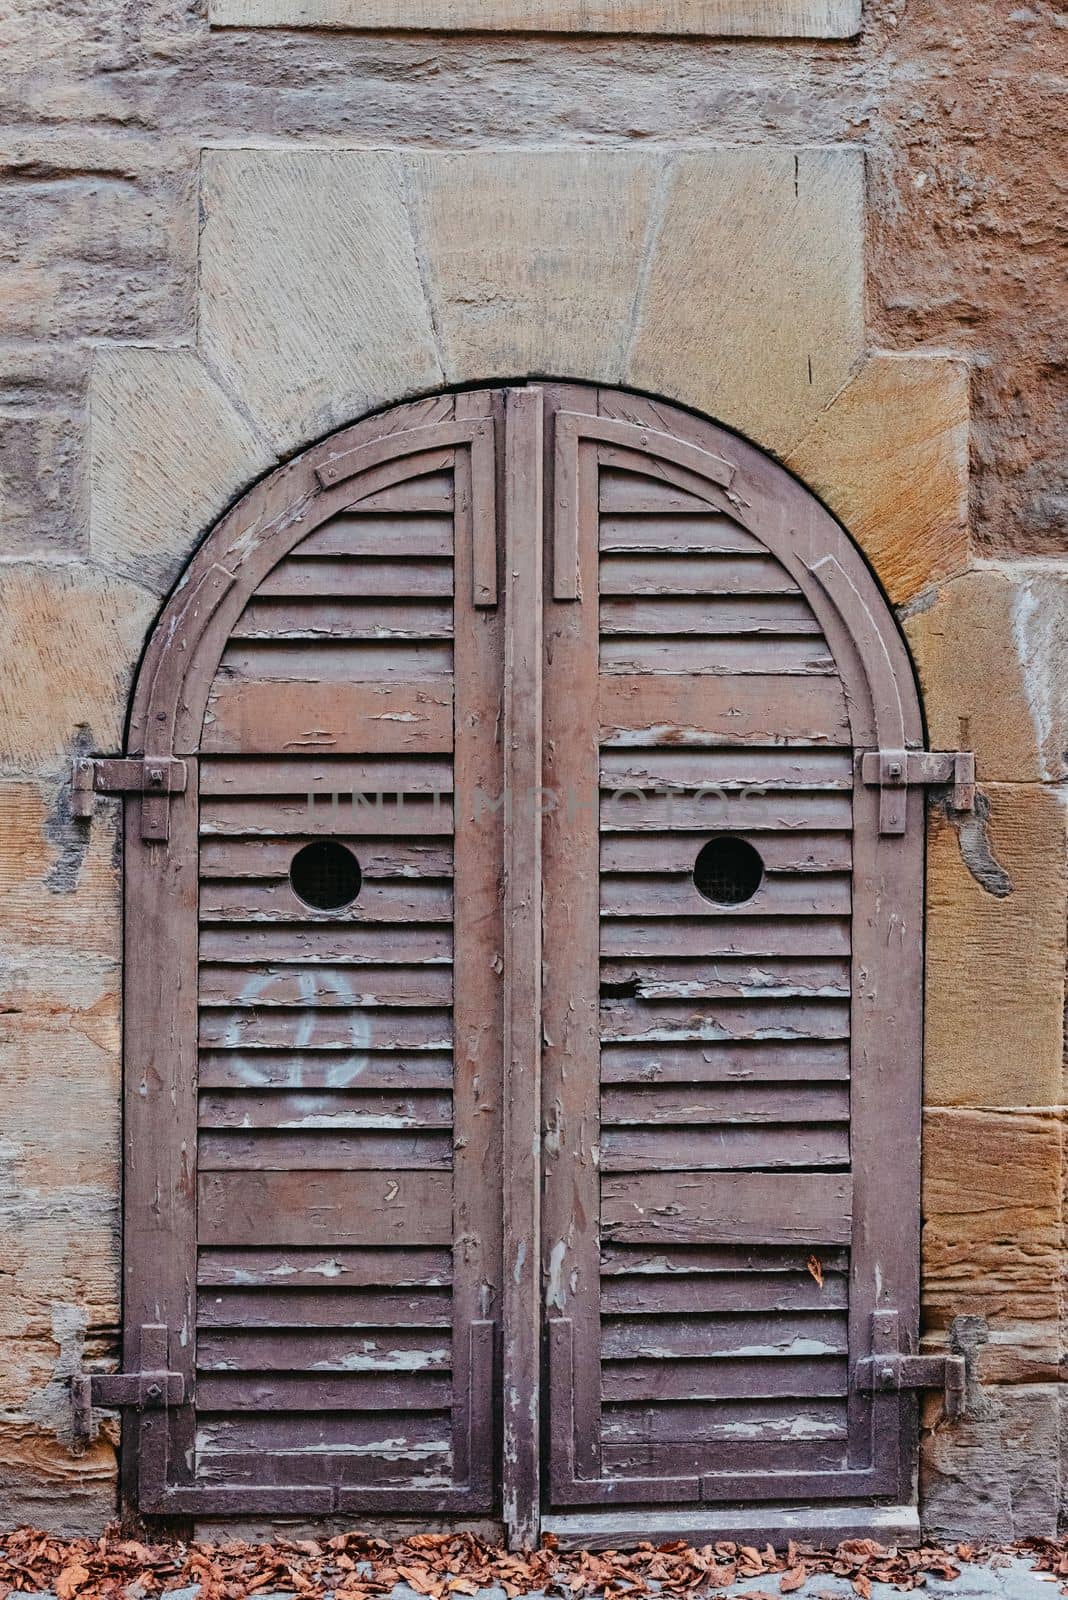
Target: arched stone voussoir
(989,648)
(312,307)
(533,259)
(71,637)
(752,310)
(170,450)
(333,282)
(890,458)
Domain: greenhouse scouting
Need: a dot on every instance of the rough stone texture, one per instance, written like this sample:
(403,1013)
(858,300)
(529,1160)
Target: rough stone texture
(955,106)
(954,109)
(890,457)
(311,304)
(999,1471)
(42,431)
(967,232)
(59,1156)
(169,450)
(989,1177)
(753,308)
(821,19)
(997,905)
(533,261)
(990,650)
(991,1247)
(70,638)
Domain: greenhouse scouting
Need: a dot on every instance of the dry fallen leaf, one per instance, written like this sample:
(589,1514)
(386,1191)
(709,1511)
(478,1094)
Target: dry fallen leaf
(70,1580)
(444,1565)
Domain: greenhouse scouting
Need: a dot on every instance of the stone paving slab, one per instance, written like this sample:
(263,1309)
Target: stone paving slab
(1005,1578)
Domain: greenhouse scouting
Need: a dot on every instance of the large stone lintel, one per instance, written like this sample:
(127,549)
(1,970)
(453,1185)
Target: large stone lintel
(818,19)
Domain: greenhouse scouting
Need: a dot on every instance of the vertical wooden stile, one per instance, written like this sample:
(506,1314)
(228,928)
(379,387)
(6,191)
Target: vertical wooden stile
(571,919)
(522,960)
(160,1073)
(478,1089)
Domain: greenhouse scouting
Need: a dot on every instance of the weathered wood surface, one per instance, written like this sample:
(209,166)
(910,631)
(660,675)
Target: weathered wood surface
(637,708)
(273,1209)
(522,958)
(514,998)
(375,718)
(344,1122)
(722,1208)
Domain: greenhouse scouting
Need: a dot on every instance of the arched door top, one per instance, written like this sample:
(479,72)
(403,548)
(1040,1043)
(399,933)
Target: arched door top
(362,460)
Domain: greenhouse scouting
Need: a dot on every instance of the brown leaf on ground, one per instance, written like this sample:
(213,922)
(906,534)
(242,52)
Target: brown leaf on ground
(441,1565)
(70,1580)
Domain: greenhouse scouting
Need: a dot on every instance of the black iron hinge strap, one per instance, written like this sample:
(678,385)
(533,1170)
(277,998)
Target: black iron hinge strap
(890,1369)
(143,1391)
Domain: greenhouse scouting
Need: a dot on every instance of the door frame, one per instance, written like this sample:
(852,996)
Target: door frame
(167,709)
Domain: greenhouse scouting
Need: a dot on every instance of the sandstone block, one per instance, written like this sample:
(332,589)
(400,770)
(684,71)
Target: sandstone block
(990,648)
(95,221)
(311,306)
(753,308)
(170,450)
(1021,1352)
(43,1485)
(59,885)
(890,458)
(997,902)
(53,1140)
(994,1475)
(533,258)
(821,19)
(61,1246)
(991,1216)
(43,451)
(70,639)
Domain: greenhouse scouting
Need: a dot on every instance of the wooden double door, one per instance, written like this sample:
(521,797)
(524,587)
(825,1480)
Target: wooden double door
(523,985)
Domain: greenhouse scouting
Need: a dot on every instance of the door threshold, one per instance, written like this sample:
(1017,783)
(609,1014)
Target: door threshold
(759,1525)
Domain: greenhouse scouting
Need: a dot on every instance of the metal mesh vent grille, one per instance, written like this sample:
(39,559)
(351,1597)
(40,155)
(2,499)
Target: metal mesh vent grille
(728,871)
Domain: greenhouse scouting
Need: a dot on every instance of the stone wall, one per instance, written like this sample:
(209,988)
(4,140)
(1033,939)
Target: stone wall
(219,243)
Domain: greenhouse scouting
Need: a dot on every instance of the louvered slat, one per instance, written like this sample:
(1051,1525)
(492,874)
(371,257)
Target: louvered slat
(325,1146)
(725,1101)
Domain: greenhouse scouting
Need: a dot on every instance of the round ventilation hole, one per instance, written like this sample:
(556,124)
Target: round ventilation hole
(325,875)
(728,871)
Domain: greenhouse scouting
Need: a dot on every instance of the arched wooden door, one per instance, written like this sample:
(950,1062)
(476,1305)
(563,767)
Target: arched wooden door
(523,995)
